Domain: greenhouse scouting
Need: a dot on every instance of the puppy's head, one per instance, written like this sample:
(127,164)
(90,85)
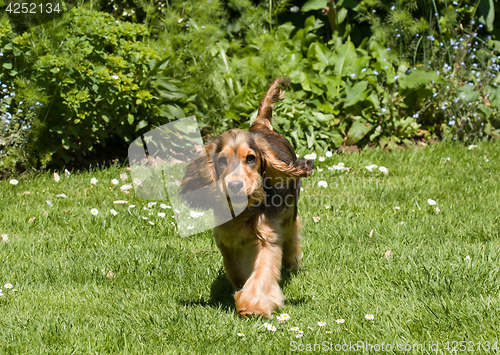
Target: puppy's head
(234,169)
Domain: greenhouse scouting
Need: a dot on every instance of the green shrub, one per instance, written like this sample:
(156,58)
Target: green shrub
(94,73)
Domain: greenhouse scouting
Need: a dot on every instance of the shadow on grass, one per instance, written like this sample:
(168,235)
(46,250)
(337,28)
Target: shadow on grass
(221,293)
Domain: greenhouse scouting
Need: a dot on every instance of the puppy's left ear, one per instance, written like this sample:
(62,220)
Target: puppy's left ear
(276,169)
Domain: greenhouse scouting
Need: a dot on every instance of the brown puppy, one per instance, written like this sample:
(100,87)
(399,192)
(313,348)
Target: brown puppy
(258,174)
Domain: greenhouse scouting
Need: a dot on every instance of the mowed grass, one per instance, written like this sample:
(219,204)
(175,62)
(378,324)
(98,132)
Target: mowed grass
(165,294)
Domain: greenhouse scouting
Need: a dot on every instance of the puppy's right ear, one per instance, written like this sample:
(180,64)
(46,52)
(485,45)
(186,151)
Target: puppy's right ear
(198,187)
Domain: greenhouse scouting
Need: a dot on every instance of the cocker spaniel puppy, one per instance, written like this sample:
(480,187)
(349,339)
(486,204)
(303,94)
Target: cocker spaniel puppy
(256,173)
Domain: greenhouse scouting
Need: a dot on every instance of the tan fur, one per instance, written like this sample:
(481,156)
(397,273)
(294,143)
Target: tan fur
(255,243)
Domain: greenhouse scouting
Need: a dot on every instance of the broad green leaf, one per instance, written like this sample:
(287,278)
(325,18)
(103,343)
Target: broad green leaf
(7,65)
(314,5)
(310,137)
(130,118)
(341,15)
(141,125)
(358,130)
(344,56)
(350,4)
(418,79)
(487,13)
(467,93)
(356,93)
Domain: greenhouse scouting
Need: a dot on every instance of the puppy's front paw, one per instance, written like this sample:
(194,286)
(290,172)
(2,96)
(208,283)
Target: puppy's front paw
(256,303)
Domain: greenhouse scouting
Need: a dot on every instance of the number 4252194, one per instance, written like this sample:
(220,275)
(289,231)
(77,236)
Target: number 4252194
(456,346)
(32,8)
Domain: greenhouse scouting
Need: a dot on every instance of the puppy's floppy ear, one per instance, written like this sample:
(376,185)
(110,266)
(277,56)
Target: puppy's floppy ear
(198,187)
(276,169)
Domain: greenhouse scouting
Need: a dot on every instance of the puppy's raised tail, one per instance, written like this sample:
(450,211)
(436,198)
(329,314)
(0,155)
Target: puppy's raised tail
(274,94)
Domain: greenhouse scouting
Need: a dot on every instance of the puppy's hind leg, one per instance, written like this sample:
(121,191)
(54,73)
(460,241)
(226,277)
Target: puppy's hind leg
(292,250)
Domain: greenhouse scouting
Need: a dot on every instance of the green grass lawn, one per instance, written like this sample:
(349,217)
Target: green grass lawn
(83,286)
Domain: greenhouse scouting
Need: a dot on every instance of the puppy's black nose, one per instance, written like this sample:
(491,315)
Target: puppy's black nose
(235,186)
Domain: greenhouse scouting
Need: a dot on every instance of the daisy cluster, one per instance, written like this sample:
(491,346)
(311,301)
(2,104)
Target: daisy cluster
(8,287)
(298,332)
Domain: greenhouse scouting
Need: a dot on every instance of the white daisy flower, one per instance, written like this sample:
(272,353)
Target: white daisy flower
(328,154)
(371,167)
(384,170)
(316,219)
(327,207)
(14,182)
(299,335)
(322,183)
(195,214)
(94,211)
(467,258)
(369,316)
(267,325)
(93,181)
(113,212)
(472,146)
(431,202)
(321,158)
(397,207)
(295,329)
(321,324)
(285,316)
(49,203)
(340,321)
(144,217)
(190,227)
(115,182)
(62,195)
(161,214)
(165,206)
(8,286)
(241,334)
(271,328)
(300,331)
(151,204)
(152,223)
(116,77)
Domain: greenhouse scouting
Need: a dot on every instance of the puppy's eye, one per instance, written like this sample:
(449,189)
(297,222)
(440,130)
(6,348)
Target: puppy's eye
(222,161)
(250,159)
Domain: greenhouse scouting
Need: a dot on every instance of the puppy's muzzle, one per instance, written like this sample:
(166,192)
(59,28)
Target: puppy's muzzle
(235,186)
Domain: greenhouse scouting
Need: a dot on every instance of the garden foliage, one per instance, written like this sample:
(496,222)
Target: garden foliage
(363,73)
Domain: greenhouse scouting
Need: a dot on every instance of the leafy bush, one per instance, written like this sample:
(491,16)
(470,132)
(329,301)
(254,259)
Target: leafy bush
(95,75)
(357,77)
